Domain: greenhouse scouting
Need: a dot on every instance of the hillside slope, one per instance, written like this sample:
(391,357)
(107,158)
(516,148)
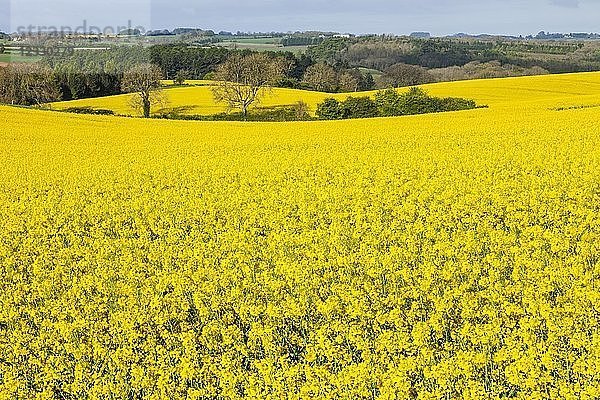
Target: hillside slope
(551,89)
(448,255)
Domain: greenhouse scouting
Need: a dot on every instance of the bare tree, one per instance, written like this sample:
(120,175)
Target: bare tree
(321,77)
(243,80)
(28,84)
(348,82)
(144,82)
(400,75)
(181,77)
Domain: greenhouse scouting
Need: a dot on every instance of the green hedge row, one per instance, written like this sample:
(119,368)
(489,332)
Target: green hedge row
(390,103)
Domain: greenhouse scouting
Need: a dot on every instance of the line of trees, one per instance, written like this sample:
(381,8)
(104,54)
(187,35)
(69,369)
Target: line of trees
(301,41)
(100,73)
(195,61)
(242,81)
(390,103)
(381,52)
(28,84)
(331,66)
(37,84)
(323,77)
(300,71)
(94,73)
(75,84)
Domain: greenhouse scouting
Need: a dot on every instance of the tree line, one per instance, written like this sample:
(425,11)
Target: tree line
(36,84)
(390,103)
(98,73)
(240,82)
(381,52)
(333,65)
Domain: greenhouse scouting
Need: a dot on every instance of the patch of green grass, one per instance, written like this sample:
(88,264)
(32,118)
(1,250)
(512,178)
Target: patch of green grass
(17,58)
(262,46)
(371,71)
(255,40)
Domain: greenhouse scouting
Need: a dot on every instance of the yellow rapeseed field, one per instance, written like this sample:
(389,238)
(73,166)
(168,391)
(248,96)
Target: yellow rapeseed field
(197,99)
(443,256)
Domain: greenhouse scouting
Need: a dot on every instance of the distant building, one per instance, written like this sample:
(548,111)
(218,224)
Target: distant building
(421,35)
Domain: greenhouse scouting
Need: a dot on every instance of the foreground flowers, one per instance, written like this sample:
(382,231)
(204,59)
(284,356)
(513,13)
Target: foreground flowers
(440,256)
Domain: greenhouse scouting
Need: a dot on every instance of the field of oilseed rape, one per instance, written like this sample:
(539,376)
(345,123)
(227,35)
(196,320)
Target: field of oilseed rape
(442,256)
(197,99)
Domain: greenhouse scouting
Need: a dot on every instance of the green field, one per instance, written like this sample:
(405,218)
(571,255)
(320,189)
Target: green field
(264,40)
(17,58)
(375,72)
(261,44)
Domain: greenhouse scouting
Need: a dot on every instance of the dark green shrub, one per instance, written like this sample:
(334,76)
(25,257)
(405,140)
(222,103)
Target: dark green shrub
(416,101)
(295,112)
(181,77)
(89,110)
(330,109)
(359,107)
(456,104)
(388,102)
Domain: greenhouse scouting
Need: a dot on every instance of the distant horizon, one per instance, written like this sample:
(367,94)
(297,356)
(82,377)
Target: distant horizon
(130,25)
(400,17)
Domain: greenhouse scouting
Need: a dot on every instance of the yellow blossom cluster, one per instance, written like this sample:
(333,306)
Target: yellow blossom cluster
(442,256)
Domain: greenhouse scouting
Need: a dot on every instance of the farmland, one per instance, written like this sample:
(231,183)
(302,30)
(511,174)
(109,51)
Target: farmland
(448,255)
(512,93)
(196,99)
(17,58)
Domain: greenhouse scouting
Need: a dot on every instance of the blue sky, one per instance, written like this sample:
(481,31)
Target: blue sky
(357,16)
